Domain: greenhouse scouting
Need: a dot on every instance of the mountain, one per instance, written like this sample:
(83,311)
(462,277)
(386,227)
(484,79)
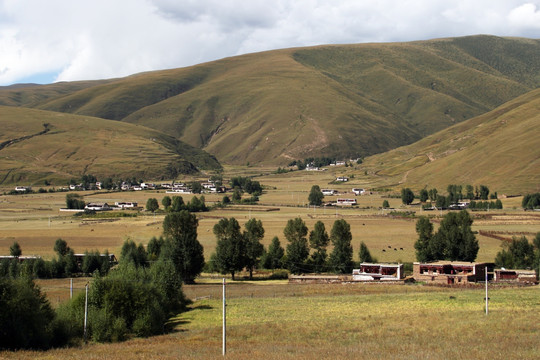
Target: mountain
(498,149)
(336,100)
(36,145)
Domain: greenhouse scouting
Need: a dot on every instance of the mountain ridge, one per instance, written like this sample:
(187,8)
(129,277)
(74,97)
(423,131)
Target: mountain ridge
(328,100)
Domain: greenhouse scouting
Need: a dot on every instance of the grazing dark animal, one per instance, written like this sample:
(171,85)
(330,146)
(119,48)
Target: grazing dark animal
(400,248)
(383,250)
(395,249)
(389,247)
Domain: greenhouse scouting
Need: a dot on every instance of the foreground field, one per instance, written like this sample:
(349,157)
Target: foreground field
(275,320)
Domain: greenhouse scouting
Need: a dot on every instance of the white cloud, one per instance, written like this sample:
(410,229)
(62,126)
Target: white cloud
(100,39)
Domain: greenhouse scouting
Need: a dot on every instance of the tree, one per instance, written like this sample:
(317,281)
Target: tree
(364,255)
(407,196)
(425,249)
(166,202)
(153,248)
(341,256)
(385,204)
(432,194)
(318,241)
(469,192)
(152,204)
(182,245)
(26,316)
(177,204)
(315,196)
(454,240)
(61,247)
(253,235)
(15,250)
(196,187)
(441,202)
(274,256)
(134,254)
(74,201)
(230,248)
(517,254)
(454,194)
(424,195)
(483,192)
(531,201)
(458,240)
(237,195)
(297,250)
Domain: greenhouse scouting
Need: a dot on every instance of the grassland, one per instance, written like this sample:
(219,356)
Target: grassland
(277,320)
(40,145)
(498,149)
(35,221)
(347,100)
(285,321)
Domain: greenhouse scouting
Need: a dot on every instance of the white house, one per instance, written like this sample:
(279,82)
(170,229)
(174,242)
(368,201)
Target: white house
(97,206)
(126,204)
(358,191)
(329,192)
(346,202)
(342,178)
(22,188)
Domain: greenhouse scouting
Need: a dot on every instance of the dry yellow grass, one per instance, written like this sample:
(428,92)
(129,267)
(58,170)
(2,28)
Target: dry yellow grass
(35,221)
(284,321)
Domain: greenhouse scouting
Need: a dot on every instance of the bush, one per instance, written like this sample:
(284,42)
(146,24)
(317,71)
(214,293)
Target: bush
(280,274)
(26,316)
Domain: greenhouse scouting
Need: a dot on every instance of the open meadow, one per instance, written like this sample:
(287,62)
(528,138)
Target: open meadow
(35,222)
(276,320)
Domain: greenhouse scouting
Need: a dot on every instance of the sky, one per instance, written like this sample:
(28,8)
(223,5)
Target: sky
(68,40)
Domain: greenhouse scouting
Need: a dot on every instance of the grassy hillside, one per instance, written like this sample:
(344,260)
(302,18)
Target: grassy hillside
(499,149)
(37,145)
(346,100)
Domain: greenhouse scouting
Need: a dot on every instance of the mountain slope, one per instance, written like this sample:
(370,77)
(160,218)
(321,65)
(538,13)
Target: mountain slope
(499,149)
(346,100)
(37,145)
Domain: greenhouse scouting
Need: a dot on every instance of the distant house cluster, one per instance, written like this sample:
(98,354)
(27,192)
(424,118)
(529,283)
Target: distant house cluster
(438,272)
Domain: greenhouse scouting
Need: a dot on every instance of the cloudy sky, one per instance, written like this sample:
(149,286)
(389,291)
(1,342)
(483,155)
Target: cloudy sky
(66,40)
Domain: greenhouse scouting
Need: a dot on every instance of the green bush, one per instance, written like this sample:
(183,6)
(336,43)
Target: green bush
(26,317)
(279,274)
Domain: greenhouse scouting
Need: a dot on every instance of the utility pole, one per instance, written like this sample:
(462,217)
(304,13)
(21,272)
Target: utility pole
(85,315)
(71,288)
(224,321)
(487,299)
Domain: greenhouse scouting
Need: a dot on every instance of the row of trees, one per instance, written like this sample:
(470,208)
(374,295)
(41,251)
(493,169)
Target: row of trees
(305,252)
(176,204)
(531,201)
(455,194)
(454,240)
(520,254)
(63,265)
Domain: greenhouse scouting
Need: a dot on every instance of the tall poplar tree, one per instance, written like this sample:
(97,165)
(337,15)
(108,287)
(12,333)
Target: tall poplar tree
(340,259)
(230,248)
(253,235)
(297,250)
(318,241)
(182,245)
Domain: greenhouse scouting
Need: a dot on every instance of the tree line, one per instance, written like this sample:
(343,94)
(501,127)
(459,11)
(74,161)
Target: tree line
(306,251)
(455,194)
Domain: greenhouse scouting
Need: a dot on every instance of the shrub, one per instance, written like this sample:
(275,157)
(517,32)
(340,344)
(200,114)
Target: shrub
(25,316)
